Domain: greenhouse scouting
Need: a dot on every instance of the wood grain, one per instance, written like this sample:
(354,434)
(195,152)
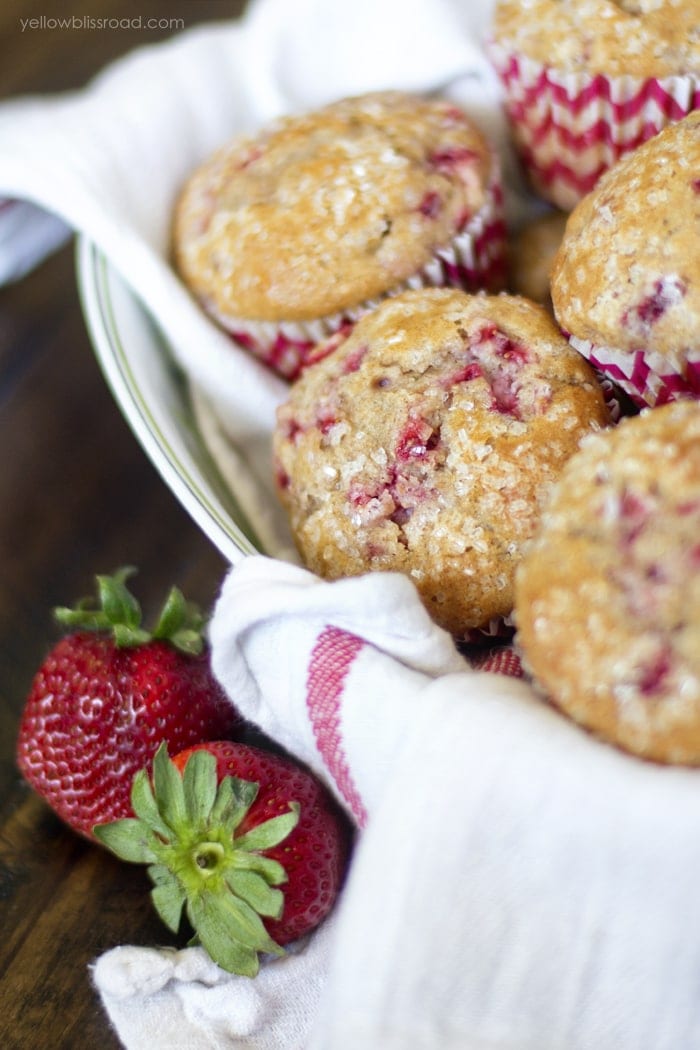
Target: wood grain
(77,496)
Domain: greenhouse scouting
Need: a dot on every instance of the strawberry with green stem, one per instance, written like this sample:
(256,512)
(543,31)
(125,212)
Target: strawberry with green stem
(248,843)
(109,693)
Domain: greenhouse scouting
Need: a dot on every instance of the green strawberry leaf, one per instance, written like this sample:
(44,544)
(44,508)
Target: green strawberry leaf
(254,890)
(117,612)
(127,637)
(188,640)
(169,790)
(227,953)
(168,896)
(173,615)
(145,806)
(116,600)
(199,785)
(80,618)
(243,924)
(129,839)
(271,832)
(233,800)
(271,870)
(231,932)
(181,623)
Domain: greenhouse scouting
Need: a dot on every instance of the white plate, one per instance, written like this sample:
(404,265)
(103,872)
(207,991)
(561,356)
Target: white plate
(153,396)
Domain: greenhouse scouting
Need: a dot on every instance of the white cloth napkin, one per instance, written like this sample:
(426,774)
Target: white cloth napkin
(516,885)
(27,235)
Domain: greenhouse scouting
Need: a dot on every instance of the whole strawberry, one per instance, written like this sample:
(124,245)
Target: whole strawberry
(223,826)
(108,694)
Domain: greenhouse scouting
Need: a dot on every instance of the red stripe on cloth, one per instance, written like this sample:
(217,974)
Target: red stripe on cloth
(499,661)
(331,659)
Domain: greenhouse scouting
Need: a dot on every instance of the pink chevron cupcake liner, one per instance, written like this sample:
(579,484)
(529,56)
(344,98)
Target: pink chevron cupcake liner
(611,393)
(497,631)
(648,378)
(569,128)
(474,260)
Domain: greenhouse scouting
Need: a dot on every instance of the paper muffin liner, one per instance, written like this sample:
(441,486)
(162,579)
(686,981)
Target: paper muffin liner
(497,631)
(646,376)
(474,260)
(569,128)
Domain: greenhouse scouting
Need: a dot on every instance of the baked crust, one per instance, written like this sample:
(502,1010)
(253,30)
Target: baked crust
(531,254)
(641,38)
(608,594)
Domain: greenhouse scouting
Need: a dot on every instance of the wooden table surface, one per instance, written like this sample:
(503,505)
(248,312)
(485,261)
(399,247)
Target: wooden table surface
(77,496)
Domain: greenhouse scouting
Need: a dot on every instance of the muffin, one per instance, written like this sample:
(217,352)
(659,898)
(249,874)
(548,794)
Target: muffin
(426,439)
(607,598)
(287,235)
(585,81)
(626,280)
(531,253)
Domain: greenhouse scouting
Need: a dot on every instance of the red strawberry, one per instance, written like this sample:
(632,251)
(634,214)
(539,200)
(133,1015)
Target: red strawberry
(108,694)
(222,826)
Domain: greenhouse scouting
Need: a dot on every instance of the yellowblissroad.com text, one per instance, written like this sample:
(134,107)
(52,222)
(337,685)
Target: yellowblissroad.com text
(44,22)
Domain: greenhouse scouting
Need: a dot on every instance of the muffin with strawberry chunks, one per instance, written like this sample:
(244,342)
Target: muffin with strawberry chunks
(625,281)
(586,81)
(426,440)
(285,235)
(531,253)
(608,594)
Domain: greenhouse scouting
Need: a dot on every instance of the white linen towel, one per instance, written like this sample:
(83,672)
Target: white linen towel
(27,235)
